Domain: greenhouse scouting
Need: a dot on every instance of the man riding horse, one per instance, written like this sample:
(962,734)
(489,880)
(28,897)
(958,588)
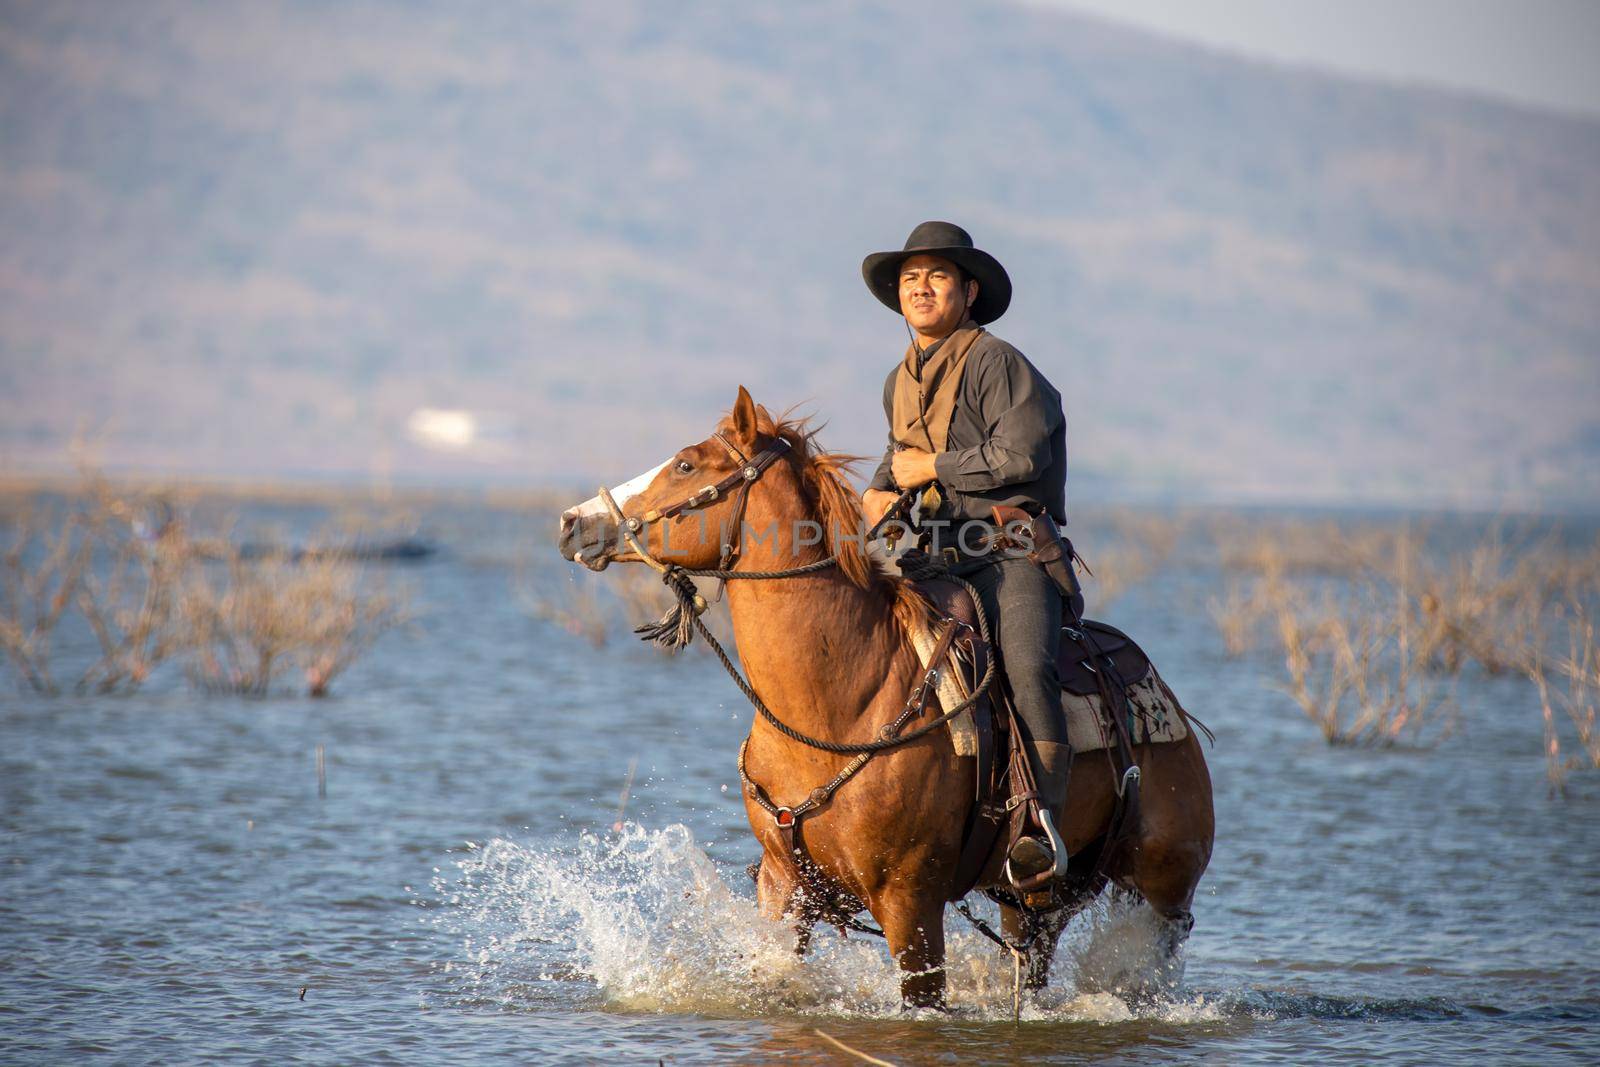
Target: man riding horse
(977,424)
(841,686)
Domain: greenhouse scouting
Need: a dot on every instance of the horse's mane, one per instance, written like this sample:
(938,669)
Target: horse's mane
(823,477)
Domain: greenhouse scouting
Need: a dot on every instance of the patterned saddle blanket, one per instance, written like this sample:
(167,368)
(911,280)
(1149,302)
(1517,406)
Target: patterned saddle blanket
(1086,654)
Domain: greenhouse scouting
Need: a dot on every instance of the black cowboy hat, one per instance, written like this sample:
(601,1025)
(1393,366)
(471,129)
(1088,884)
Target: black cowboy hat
(882,269)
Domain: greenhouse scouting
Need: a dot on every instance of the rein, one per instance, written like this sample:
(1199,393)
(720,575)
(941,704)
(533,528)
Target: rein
(677,627)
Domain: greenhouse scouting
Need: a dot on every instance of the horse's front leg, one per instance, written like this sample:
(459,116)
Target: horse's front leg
(1041,931)
(778,898)
(914,929)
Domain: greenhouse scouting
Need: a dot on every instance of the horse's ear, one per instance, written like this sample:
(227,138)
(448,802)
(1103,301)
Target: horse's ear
(744,418)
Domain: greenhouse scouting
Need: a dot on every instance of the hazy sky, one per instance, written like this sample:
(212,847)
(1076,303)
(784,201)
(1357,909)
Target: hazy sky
(1544,52)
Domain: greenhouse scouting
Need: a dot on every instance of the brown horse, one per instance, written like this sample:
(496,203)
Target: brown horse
(830,653)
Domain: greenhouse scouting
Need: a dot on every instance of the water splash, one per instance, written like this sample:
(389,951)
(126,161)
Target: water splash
(644,920)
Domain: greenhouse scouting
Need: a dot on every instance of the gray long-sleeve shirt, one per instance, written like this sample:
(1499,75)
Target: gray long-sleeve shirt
(1007,441)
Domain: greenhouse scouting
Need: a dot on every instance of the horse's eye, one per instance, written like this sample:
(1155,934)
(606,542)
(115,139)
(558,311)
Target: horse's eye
(685,467)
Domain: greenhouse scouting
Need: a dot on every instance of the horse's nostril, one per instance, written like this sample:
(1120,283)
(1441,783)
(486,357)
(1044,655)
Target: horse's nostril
(568,517)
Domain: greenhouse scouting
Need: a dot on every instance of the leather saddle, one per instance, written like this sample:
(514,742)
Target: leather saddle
(1089,649)
(1094,658)
(1092,651)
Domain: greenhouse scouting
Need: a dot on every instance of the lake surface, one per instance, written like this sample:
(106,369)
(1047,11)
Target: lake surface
(171,881)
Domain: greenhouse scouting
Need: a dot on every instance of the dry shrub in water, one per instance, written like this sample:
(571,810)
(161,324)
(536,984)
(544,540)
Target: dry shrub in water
(1278,548)
(149,593)
(1251,602)
(347,614)
(1356,671)
(1156,534)
(129,597)
(1239,615)
(1112,571)
(258,619)
(1574,695)
(1564,576)
(41,571)
(90,557)
(132,609)
(1484,606)
(1123,552)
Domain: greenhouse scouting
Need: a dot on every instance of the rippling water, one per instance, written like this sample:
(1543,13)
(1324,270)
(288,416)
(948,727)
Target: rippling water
(170,881)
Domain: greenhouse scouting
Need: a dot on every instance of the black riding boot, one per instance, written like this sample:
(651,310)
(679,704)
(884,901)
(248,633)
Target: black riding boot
(1033,855)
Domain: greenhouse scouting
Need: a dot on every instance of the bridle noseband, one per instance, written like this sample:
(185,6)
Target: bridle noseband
(749,472)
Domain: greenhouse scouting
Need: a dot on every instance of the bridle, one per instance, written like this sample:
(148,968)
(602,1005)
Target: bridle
(749,472)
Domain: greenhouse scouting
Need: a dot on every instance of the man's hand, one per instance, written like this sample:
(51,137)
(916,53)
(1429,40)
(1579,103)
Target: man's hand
(912,467)
(874,502)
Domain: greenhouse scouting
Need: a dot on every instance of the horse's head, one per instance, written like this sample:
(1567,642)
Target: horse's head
(682,511)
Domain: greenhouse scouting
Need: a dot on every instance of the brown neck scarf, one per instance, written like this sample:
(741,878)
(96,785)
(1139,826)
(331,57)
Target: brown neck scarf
(924,403)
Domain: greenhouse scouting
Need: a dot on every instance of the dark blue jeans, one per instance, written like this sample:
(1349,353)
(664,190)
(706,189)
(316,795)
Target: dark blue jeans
(1024,608)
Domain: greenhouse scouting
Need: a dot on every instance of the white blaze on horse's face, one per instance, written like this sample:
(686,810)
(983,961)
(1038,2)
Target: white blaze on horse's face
(621,494)
(596,513)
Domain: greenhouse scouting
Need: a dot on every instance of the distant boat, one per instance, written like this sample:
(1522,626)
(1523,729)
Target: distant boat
(162,520)
(401,550)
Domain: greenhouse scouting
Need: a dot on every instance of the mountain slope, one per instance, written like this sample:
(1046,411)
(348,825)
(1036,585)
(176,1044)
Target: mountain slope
(256,240)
